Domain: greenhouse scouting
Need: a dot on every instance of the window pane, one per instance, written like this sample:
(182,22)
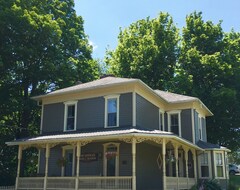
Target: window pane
(112,112)
(161,121)
(70,117)
(219,171)
(112,105)
(174,124)
(71,111)
(204,159)
(204,171)
(70,123)
(112,119)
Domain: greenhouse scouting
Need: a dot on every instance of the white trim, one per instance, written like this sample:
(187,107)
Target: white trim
(41,125)
(209,165)
(179,120)
(215,164)
(161,120)
(106,110)
(70,103)
(105,159)
(134,118)
(193,127)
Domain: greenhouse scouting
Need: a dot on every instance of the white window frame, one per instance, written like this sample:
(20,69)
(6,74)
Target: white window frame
(179,120)
(105,159)
(209,165)
(106,110)
(70,103)
(161,120)
(215,164)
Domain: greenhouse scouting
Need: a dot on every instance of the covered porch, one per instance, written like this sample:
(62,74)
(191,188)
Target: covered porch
(174,158)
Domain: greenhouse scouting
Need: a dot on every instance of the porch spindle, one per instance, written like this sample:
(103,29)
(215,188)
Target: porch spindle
(46,165)
(176,158)
(78,164)
(19,165)
(134,164)
(164,164)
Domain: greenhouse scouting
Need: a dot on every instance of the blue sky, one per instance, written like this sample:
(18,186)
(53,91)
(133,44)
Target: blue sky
(103,18)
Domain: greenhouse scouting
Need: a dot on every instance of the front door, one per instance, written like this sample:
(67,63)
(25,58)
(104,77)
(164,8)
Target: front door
(111,157)
(69,164)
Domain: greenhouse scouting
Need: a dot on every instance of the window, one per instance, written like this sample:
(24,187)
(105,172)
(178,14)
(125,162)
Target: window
(174,122)
(204,164)
(70,116)
(200,127)
(219,164)
(111,111)
(161,120)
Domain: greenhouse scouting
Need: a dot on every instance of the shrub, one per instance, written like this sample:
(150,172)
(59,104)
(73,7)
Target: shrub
(207,185)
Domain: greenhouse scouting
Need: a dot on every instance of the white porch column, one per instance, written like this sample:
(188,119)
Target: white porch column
(19,165)
(195,164)
(134,164)
(78,164)
(63,165)
(186,163)
(176,163)
(47,154)
(164,164)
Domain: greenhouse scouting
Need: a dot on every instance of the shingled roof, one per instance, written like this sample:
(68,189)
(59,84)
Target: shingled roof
(174,98)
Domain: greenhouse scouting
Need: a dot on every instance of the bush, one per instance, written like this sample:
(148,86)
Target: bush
(207,185)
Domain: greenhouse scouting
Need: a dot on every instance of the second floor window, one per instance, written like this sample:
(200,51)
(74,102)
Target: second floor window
(161,120)
(70,116)
(174,122)
(112,111)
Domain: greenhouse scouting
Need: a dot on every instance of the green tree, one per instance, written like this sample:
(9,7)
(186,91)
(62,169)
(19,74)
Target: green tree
(42,47)
(208,65)
(147,50)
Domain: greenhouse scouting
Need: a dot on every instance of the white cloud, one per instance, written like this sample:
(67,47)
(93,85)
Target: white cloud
(93,45)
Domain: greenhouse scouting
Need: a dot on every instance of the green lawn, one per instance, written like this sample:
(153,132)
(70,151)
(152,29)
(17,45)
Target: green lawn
(234,182)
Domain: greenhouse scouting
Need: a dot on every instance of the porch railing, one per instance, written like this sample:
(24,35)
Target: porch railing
(85,183)
(179,183)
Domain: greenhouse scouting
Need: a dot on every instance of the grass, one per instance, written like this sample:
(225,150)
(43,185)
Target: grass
(234,182)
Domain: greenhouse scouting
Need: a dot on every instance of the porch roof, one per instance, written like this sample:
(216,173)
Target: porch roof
(101,135)
(210,146)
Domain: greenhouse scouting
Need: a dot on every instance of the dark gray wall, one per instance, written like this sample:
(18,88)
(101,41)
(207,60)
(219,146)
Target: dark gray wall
(186,124)
(125,110)
(94,168)
(53,117)
(53,168)
(90,113)
(147,114)
(149,176)
(204,130)
(196,126)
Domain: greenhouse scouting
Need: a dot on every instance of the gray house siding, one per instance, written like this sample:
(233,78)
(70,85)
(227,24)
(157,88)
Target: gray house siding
(186,124)
(125,159)
(196,127)
(90,113)
(53,118)
(149,176)
(147,114)
(125,110)
(53,168)
(204,130)
(94,168)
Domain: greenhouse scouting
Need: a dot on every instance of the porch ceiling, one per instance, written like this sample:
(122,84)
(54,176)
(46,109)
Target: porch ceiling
(103,135)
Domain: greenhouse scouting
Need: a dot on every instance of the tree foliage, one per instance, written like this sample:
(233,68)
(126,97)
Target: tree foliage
(42,47)
(148,50)
(203,62)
